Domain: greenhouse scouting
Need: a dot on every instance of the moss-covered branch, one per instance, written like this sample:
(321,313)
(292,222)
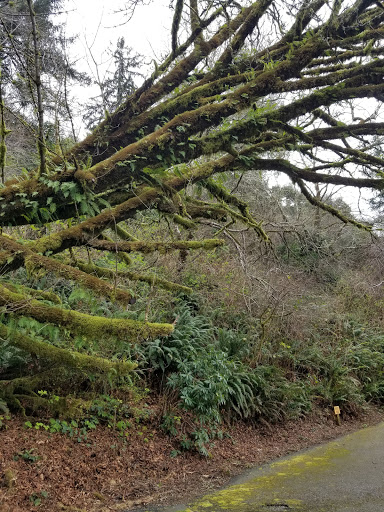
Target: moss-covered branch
(92,227)
(122,256)
(124,235)
(149,93)
(286,167)
(64,357)
(152,280)
(330,209)
(263,108)
(31,292)
(220,193)
(91,326)
(18,255)
(185,119)
(148,247)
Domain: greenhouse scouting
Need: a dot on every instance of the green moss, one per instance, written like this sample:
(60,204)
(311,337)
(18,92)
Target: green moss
(47,243)
(184,221)
(267,487)
(163,247)
(34,262)
(10,389)
(152,280)
(81,323)
(122,256)
(330,209)
(124,235)
(246,217)
(92,227)
(9,478)
(38,294)
(64,357)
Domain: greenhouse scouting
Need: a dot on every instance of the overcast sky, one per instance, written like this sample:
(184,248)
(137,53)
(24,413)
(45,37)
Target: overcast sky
(98,26)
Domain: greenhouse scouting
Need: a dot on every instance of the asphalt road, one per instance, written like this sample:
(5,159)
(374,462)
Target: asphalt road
(346,475)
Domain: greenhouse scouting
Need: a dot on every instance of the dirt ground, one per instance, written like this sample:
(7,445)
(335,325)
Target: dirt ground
(106,473)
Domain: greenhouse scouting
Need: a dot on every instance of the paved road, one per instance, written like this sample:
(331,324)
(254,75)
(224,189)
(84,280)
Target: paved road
(346,475)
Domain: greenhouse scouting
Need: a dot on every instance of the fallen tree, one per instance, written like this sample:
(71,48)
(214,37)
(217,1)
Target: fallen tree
(272,99)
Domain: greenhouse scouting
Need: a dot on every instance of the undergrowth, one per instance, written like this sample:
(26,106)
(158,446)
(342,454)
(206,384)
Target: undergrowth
(205,371)
(213,376)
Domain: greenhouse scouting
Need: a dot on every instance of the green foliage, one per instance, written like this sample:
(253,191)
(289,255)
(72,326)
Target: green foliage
(103,410)
(202,365)
(206,366)
(346,371)
(12,358)
(171,423)
(74,429)
(37,497)
(232,343)
(208,382)
(27,456)
(3,419)
(278,397)
(109,410)
(83,199)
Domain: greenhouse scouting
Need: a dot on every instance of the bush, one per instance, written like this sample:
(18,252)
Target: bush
(347,369)
(206,367)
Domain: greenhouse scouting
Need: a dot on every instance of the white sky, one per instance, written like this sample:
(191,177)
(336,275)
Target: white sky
(98,27)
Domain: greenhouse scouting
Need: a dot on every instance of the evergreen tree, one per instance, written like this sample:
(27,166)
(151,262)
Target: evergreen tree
(117,84)
(35,77)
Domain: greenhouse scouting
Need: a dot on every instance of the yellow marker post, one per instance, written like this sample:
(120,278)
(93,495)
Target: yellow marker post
(337,414)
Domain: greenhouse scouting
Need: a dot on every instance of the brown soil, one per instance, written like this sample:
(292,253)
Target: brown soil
(107,474)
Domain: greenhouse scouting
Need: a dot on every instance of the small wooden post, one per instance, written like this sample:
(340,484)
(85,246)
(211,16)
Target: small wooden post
(337,414)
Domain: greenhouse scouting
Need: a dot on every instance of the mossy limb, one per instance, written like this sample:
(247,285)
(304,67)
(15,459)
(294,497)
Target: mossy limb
(64,357)
(92,326)
(152,280)
(124,235)
(149,247)
(20,255)
(37,294)
(220,193)
(122,256)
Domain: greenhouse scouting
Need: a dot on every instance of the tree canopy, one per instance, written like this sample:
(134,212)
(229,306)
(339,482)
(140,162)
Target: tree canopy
(247,87)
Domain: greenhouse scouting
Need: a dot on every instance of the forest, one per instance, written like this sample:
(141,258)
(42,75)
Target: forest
(208,254)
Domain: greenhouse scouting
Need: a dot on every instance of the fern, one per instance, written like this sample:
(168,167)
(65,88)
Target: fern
(3,407)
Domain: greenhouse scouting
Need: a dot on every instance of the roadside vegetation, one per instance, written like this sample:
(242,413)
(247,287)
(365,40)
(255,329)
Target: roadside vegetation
(197,261)
(266,335)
